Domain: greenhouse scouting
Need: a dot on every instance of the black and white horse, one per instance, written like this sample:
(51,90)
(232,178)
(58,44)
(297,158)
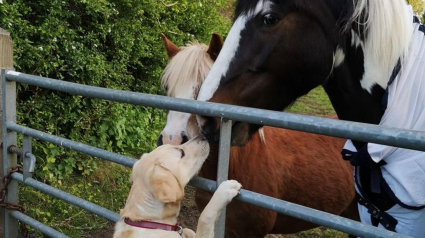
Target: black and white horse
(369,55)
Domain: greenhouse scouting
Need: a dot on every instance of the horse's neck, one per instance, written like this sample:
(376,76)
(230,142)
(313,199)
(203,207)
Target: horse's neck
(351,101)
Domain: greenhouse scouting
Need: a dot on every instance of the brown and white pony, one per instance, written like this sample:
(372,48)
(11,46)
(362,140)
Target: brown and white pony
(293,166)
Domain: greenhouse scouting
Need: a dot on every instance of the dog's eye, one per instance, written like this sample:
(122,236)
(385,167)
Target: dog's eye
(182,151)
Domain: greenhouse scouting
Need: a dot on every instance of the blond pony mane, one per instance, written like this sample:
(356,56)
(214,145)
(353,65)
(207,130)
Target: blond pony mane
(187,69)
(389,28)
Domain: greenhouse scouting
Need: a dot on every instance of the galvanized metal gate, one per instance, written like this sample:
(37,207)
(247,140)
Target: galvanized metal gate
(358,131)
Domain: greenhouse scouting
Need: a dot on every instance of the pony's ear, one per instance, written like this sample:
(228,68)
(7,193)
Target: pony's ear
(216,44)
(171,48)
(164,186)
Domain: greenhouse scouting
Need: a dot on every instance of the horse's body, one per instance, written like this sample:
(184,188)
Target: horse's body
(369,56)
(294,166)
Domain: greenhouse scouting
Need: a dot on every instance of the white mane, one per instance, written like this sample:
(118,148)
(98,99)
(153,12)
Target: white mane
(389,28)
(186,71)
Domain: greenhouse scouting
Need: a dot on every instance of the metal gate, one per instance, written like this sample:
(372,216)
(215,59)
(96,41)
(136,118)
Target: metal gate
(357,131)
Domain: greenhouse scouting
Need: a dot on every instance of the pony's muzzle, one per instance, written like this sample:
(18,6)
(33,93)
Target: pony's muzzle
(164,139)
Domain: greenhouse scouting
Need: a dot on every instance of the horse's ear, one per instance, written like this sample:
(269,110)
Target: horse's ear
(216,44)
(171,48)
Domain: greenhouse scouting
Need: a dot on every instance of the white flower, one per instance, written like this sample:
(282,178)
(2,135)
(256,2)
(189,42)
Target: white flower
(73,47)
(40,48)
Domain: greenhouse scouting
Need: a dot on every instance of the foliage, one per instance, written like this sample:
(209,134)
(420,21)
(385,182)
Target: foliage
(418,6)
(105,43)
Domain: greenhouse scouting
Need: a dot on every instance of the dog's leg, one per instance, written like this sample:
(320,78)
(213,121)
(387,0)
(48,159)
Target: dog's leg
(188,233)
(224,194)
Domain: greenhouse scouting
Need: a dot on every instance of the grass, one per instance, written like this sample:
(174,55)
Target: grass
(107,187)
(315,103)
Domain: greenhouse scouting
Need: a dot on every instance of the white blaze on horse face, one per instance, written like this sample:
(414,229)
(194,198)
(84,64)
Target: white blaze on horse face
(228,52)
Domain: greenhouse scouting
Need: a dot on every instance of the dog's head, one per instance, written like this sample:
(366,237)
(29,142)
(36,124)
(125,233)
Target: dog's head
(174,166)
(161,175)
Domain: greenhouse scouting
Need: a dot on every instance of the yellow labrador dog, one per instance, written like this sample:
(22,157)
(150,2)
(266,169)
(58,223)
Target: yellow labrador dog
(158,181)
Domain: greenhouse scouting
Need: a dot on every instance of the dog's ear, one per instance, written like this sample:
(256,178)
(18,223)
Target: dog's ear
(171,48)
(164,186)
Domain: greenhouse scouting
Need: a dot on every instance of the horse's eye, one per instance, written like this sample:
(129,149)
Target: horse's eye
(270,19)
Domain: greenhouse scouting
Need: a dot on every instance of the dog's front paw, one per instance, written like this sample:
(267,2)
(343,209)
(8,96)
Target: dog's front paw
(228,190)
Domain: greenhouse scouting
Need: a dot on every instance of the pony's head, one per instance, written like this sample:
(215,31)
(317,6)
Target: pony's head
(277,51)
(183,76)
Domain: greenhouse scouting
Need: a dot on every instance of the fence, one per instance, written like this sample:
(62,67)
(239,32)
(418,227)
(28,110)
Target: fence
(9,219)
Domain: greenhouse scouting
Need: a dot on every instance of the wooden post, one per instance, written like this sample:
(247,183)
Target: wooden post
(8,224)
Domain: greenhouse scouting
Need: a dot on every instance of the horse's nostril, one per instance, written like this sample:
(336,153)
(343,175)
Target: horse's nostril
(159,142)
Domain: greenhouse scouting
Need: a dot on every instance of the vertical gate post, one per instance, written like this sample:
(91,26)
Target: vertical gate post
(8,224)
(223,169)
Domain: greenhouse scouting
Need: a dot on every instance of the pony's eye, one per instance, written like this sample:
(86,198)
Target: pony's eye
(182,151)
(270,19)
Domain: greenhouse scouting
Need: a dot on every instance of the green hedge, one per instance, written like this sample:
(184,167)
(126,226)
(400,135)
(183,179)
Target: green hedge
(107,43)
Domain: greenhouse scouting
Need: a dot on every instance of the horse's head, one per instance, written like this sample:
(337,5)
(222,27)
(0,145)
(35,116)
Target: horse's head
(277,51)
(187,68)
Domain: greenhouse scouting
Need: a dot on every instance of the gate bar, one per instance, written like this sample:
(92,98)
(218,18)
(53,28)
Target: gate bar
(47,230)
(223,170)
(252,198)
(86,205)
(303,213)
(338,128)
(77,146)
(359,131)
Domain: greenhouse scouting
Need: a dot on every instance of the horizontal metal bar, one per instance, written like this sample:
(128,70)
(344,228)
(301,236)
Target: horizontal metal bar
(338,128)
(38,225)
(86,205)
(301,212)
(358,131)
(83,148)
